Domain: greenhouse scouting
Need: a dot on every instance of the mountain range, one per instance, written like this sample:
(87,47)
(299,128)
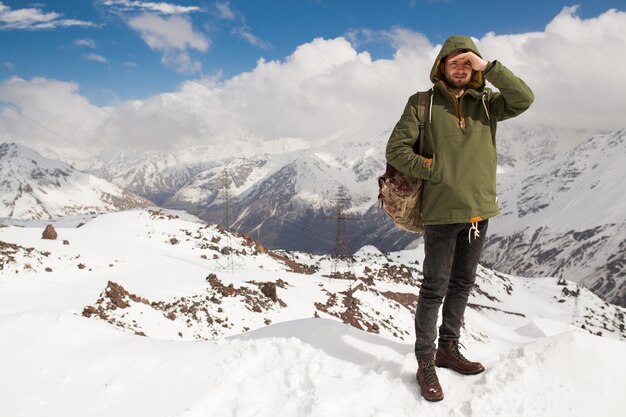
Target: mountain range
(35,187)
(564,215)
(558,189)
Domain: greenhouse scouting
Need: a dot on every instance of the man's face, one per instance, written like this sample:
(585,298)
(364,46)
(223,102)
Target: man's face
(456,73)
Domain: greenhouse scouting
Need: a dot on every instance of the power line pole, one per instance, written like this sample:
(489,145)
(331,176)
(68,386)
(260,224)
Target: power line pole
(342,256)
(229,262)
(226,197)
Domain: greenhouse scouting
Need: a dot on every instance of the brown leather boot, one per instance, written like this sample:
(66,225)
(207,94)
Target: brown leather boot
(448,356)
(428,381)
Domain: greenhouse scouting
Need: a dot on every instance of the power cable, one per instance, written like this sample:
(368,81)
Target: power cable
(325,239)
(41,125)
(316,230)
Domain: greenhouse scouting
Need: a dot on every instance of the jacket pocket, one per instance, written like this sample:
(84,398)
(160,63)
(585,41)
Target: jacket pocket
(435,176)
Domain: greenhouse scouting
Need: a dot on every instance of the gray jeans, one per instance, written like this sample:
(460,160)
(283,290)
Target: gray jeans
(449,271)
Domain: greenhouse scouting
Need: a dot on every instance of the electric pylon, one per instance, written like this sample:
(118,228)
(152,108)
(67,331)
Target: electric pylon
(229,263)
(342,261)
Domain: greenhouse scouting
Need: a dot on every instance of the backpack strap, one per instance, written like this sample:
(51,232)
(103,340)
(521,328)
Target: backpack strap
(423,110)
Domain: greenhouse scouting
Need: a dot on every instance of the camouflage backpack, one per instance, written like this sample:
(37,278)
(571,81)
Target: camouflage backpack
(401,195)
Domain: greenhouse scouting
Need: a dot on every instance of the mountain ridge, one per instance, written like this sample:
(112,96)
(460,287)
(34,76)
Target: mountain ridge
(556,187)
(34,187)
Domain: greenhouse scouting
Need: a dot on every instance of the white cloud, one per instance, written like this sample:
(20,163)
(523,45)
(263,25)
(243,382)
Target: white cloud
(145,6)
(50,106)
(96,58)
(362,36)
(326,88)
(89,43)
(180,61)
(399,38)
(403,39)
(9,65)
(245,33)
(173,37)
(165,33)
(225,12)
(35,19)
(574,67)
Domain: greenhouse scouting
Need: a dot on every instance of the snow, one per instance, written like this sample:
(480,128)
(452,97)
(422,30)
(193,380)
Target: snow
(55,361)
(582,182)
(61,364)
(554,184)
(34,187)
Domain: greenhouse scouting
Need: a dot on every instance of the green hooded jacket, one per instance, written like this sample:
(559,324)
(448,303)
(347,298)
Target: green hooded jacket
(460,137)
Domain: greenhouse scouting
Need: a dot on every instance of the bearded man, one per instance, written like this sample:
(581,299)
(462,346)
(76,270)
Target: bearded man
(459,195)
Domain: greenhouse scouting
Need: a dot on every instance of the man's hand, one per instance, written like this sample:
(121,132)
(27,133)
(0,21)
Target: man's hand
(477,63)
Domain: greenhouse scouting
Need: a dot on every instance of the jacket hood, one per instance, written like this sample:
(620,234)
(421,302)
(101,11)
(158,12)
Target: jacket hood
(453,44)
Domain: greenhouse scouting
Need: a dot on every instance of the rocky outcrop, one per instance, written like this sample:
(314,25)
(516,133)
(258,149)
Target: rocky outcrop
(203,313)
(49,233)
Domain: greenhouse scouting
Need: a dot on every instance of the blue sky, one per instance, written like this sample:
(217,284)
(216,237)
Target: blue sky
(96,44)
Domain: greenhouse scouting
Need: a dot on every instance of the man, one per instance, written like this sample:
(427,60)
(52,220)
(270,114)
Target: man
(459,194)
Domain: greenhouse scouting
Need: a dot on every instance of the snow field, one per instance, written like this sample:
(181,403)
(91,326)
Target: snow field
(65,365)
(55,362)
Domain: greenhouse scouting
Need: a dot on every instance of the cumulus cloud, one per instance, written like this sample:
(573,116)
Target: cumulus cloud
(327,89)
(572,67)
(165,29)
(164,33)
(173,37)
(50,114)
(34,18)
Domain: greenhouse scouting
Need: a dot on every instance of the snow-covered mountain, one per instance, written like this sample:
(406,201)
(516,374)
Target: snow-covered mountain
(565,216)
(274,195)
(293,204)
(558,189)
(280,195)
(98,325)
(159,176)
(154,176)
(34,187)
(206,188)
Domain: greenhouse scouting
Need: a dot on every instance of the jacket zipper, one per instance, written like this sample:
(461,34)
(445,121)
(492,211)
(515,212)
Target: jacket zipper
(458,111)
(461,115)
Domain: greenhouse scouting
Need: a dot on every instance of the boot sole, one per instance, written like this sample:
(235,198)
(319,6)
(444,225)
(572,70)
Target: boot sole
(438,365)
(434,400)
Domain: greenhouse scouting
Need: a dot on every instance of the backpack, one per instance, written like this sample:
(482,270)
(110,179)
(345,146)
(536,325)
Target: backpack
(401,195)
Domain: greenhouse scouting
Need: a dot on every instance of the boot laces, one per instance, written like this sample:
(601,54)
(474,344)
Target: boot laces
(454,350)
(430,375)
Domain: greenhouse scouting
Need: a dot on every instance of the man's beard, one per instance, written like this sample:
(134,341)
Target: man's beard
(451,82)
